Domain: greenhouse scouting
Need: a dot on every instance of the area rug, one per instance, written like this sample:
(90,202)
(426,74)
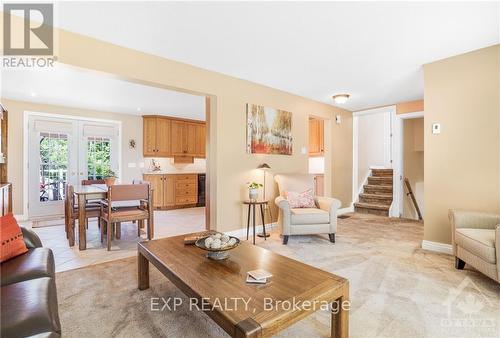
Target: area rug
(396,289)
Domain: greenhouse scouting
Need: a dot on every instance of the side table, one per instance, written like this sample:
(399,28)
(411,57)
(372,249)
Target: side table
(251,208)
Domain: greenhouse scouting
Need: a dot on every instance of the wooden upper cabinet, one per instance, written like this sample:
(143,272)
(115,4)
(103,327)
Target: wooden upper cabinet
(316,137)
(149,136)
(163,139)
(171,137)
(191,139)
(179,138)
(200,140)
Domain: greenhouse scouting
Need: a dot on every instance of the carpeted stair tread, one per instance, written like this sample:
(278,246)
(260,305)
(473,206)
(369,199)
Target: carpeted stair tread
(382,172)
(372,206)
(380,180)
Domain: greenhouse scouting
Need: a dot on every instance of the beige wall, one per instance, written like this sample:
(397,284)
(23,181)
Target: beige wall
(462,164)
(229,164)
(413,164)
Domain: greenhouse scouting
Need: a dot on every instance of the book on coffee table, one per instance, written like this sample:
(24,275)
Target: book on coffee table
(252,280)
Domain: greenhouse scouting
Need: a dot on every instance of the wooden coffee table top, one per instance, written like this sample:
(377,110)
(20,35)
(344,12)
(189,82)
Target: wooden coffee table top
(197,276)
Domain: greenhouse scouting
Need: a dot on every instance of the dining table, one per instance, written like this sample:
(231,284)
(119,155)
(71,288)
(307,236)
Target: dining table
(84,193)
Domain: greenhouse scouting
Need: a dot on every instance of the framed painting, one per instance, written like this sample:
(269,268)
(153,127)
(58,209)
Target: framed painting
(269,130)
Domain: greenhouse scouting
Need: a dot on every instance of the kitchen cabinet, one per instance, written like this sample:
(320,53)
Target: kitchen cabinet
(172,137)
(156,136)
(171,191)
(200,141)
(316,137)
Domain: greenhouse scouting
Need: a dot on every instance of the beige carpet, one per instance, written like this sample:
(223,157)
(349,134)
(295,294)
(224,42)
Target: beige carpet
(397,290)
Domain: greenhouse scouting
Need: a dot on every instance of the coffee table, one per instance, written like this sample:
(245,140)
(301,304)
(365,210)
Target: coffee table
(248,310)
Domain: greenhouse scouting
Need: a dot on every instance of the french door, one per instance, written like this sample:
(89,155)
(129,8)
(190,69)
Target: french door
(66,151)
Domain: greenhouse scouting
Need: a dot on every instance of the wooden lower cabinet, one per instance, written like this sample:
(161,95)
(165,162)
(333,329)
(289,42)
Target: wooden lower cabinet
(171,191)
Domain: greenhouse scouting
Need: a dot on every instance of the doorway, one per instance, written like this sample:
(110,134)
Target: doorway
(317,154)
(374,183)
(410,163)
(65,151)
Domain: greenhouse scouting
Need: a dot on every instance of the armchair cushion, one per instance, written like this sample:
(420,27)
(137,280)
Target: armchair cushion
(309,216)
(480,242)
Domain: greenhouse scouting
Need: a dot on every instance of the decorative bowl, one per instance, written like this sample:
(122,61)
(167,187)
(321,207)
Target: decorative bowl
(216,254)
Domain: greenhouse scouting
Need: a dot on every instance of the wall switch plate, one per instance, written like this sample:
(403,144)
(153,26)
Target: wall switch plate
(131,165)
(141,164)
(436,128)
(338,119)
(303,150)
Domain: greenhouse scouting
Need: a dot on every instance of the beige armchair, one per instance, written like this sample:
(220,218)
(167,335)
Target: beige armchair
(476,241)
(305,221)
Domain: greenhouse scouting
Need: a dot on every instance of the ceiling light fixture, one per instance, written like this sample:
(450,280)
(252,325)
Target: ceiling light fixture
(340,98)
(33,94)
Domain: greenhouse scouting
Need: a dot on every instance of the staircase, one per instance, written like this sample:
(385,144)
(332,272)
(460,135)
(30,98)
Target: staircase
(376,197)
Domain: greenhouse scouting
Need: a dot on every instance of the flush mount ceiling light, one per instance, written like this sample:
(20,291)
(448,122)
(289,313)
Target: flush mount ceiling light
(340,98)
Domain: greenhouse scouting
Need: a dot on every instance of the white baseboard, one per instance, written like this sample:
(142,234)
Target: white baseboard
(437,247)
(240,233)
(345,210)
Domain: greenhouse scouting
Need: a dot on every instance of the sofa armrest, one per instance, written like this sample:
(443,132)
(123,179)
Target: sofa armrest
(31,239)
(473,219)
(328,204)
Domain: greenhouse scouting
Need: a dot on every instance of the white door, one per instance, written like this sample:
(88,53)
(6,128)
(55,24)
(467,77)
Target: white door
(52,164)
(66,151)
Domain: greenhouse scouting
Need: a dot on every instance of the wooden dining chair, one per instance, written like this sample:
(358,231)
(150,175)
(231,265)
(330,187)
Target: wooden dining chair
(113,217)
(71,214)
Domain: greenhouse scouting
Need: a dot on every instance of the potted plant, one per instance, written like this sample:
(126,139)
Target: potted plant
(253,190)
(109,176)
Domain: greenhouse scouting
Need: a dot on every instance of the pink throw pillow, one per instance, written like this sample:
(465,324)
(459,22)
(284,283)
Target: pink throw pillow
(303,199)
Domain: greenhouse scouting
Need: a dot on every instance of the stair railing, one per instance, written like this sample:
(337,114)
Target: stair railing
(413,199)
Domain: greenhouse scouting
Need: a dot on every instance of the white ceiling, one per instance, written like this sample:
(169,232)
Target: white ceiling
(374,51)
(73,87)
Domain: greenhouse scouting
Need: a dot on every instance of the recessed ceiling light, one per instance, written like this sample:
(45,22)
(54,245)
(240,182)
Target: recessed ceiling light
(139,109)
(340,98)
(33,94)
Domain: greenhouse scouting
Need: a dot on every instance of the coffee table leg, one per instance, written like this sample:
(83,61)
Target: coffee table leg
(142,271)
(340,318)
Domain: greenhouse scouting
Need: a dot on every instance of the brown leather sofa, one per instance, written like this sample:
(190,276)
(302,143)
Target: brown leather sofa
(28,292)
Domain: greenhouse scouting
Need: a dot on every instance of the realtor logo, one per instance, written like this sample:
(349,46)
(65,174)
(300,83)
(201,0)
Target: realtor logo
(33,37)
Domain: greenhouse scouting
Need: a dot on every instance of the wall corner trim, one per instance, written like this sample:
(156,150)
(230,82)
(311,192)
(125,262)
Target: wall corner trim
(437,247)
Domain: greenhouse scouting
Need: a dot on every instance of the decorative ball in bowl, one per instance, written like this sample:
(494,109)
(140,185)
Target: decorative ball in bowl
(217,245)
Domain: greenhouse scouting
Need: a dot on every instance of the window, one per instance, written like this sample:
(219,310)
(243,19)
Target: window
(98,157)
(53,171)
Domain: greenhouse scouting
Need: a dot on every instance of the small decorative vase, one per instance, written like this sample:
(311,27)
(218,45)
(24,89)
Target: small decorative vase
(110,181)
(253,194)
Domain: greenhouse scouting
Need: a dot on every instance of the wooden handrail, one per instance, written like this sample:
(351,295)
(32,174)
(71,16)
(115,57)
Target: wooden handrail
(413,199)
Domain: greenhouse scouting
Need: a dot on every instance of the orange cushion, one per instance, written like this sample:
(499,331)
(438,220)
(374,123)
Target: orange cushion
(11,238)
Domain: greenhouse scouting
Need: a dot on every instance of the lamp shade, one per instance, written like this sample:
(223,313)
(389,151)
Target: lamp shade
(264,166)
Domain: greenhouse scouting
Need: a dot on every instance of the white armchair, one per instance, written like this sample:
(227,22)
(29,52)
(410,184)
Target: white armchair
(305,221)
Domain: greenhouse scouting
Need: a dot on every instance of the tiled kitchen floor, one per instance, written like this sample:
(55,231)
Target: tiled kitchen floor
(167,223)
